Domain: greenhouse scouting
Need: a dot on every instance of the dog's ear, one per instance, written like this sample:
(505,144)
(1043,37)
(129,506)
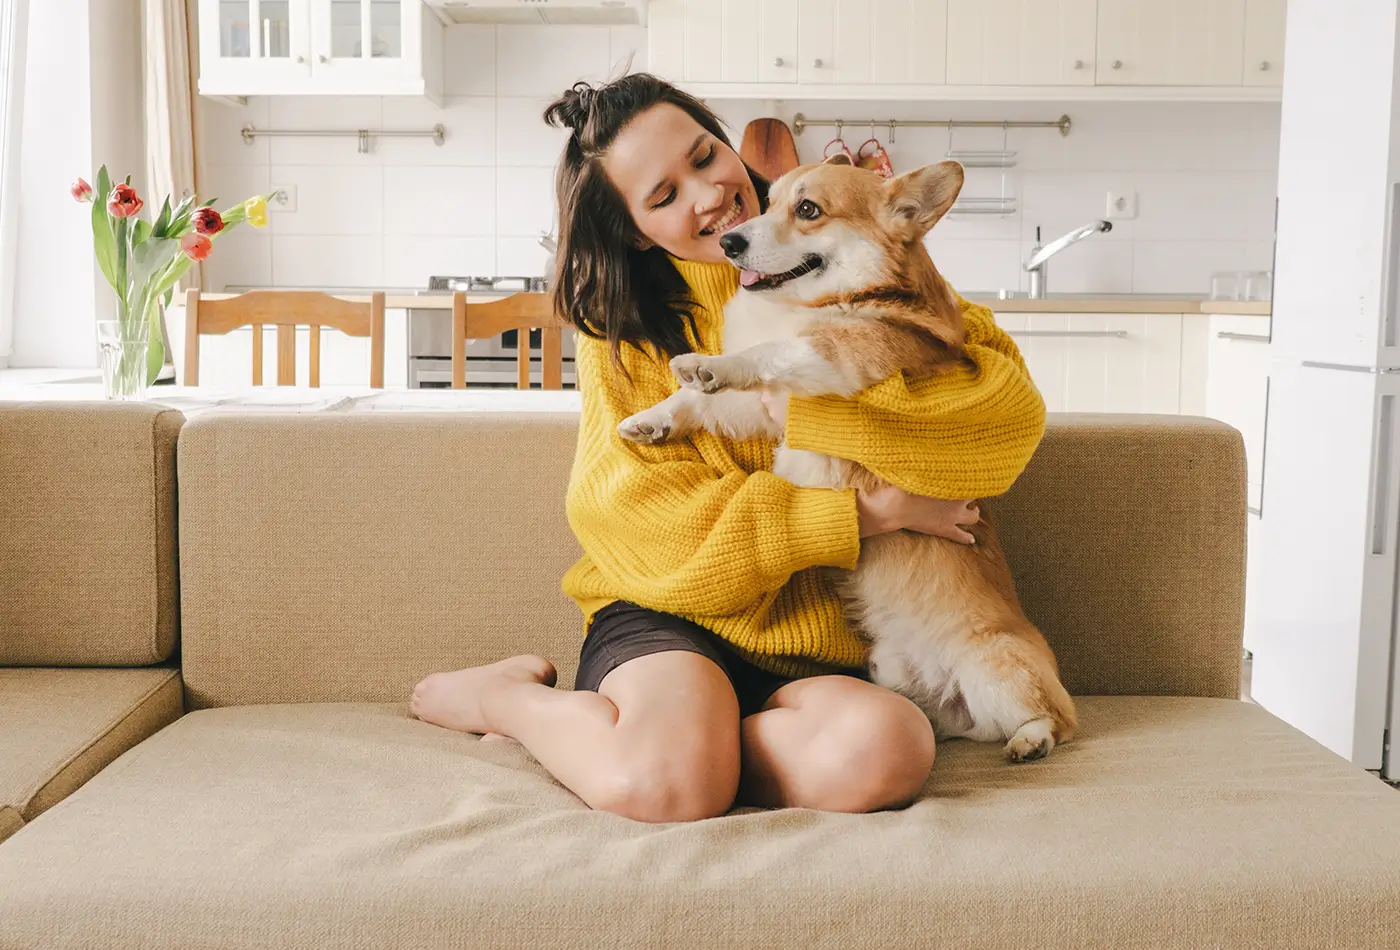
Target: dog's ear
(919,198)
(840,158)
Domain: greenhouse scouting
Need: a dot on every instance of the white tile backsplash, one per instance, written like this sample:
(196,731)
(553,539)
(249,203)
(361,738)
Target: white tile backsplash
(1204,174)
(331,199)
(441,201)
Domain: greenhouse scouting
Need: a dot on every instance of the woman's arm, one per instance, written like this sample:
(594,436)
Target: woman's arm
(668,531)
(967,433)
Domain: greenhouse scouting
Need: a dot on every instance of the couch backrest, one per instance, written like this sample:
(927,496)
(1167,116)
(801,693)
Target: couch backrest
(87,534)
(340,558)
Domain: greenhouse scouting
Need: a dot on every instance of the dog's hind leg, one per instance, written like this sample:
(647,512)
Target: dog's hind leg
(1012,692)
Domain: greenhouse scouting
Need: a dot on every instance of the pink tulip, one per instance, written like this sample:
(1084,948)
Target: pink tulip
(196,246)
(80,190)
(123,202)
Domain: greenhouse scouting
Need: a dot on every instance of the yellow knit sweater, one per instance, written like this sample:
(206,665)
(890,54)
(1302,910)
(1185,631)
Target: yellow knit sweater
(703,529)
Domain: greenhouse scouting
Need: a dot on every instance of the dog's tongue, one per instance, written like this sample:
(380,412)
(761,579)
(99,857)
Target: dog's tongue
(748,278)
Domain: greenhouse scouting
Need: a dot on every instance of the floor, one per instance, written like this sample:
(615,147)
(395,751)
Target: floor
(14,378)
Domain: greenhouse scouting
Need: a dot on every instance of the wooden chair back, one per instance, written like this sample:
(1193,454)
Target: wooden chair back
(286,310)
(521,312)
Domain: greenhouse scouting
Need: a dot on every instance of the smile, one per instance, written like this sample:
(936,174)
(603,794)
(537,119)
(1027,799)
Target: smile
(753,280)
(732,217)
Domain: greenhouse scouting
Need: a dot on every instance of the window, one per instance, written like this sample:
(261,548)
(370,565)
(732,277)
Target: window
(13,32)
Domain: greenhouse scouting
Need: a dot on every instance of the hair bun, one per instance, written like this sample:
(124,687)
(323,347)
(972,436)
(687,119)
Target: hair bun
(573,109)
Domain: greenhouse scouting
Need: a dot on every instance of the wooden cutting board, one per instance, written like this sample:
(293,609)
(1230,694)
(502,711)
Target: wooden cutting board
(768,149)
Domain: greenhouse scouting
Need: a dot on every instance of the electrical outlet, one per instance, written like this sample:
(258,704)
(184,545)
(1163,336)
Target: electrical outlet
(1121,205)
(284,198)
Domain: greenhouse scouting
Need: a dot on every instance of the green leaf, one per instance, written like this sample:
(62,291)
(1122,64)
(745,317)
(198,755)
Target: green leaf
(140,232)
(180,218)
(103,240)
(162,220)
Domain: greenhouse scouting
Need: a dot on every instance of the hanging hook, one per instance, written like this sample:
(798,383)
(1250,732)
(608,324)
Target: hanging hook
(893,123)
(839,125)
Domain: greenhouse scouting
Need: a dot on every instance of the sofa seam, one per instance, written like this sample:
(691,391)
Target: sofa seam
(32,791)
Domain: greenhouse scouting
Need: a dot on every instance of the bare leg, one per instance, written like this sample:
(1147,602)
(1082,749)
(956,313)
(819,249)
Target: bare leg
(835,743)
(659,741)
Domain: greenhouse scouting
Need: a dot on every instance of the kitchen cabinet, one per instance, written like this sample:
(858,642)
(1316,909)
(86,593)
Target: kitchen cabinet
(724,41)
(872,41)
(319,47)
(1237,387)
(1096,362)
(1178,43)
(1021,42)
(1263,42)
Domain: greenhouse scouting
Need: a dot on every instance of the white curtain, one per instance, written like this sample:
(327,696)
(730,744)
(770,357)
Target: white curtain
(167,85)
(14,30)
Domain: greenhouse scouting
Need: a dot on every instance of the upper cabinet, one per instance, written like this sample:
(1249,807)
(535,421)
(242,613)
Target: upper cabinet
(1180,43)
(861,42)
(1263,42)
(319,47)
(927,49)
(1021,42)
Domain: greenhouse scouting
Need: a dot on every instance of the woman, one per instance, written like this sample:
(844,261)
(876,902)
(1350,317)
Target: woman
(717,665)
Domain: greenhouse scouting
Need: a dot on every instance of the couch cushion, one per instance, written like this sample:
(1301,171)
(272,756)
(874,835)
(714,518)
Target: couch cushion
(340,558)
(87,534)
(63,726)
(1172,822)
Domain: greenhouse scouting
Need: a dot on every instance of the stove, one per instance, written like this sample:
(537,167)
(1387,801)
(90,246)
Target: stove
(491,363)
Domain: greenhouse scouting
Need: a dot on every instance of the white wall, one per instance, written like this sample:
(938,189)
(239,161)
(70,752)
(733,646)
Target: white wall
(1204,174)
(82,107)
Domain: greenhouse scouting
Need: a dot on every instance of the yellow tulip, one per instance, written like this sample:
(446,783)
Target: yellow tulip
(256,209)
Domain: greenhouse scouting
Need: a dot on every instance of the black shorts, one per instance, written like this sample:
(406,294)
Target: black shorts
(622,631)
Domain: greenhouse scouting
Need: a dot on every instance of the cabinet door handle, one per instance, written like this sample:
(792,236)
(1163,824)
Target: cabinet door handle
(1079,64)
(324,58)
(1117,64)
(1243,337)
(817,63)
(1264,67)
(300,58)
(1113,334)
(778,61)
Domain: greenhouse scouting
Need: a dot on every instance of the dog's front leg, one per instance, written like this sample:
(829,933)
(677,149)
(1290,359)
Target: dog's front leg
(674,418)
(802,366)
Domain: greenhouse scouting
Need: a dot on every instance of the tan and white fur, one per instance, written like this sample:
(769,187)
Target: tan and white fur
(840,294)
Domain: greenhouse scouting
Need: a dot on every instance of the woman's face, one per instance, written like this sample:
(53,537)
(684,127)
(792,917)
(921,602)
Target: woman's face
(683,187)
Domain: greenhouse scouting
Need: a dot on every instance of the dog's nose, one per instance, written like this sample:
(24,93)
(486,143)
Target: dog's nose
(733,243)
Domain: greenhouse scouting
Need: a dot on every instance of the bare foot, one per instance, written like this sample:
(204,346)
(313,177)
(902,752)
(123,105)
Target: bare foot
(453,700)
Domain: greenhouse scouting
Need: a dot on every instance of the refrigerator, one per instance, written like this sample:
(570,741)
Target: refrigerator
(1327,546)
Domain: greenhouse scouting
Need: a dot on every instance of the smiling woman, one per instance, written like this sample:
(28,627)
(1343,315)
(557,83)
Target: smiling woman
(717,664)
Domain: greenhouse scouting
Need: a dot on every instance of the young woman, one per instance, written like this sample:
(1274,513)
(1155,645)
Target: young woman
(717,665)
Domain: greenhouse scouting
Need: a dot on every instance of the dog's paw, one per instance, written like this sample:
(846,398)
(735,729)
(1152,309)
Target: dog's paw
(646,428)
(709,374)
(1032,741)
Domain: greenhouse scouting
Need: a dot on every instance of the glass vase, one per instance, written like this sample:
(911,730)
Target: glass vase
(124,346)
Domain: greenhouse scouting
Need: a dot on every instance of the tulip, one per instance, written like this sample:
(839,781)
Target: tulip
(80,190)
(207,221)
(257,211)
(123,202)
(196,246)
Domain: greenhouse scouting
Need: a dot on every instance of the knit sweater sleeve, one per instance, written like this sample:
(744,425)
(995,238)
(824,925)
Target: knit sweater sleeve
(672,533)
(964,434)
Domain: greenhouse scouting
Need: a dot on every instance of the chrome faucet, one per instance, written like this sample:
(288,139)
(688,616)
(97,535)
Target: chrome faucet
(1040,255)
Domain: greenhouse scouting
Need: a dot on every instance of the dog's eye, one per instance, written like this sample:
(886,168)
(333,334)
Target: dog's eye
(808,210)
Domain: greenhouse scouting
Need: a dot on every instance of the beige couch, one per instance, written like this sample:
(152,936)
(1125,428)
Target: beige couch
(264,786)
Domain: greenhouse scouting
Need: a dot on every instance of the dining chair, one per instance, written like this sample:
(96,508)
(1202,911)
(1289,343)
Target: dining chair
(522,313)
(286,310)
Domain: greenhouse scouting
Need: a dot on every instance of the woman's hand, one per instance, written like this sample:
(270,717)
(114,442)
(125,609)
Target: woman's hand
(888,508)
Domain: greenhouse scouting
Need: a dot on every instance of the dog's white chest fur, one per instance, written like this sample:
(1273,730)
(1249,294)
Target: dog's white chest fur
(750,319)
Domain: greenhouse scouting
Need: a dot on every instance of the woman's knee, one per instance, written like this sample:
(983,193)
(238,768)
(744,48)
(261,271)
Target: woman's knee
(875,754)
(668,787)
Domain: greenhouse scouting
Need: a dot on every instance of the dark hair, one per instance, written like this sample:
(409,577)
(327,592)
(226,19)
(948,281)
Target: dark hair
(605,284)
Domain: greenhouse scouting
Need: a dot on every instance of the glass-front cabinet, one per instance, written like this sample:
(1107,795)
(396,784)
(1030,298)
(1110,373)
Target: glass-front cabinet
(308,47)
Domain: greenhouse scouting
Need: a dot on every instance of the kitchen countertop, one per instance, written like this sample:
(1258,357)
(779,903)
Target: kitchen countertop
(1088,303)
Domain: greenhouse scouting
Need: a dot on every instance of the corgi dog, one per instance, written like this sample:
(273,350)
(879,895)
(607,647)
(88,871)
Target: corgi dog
(838,293)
